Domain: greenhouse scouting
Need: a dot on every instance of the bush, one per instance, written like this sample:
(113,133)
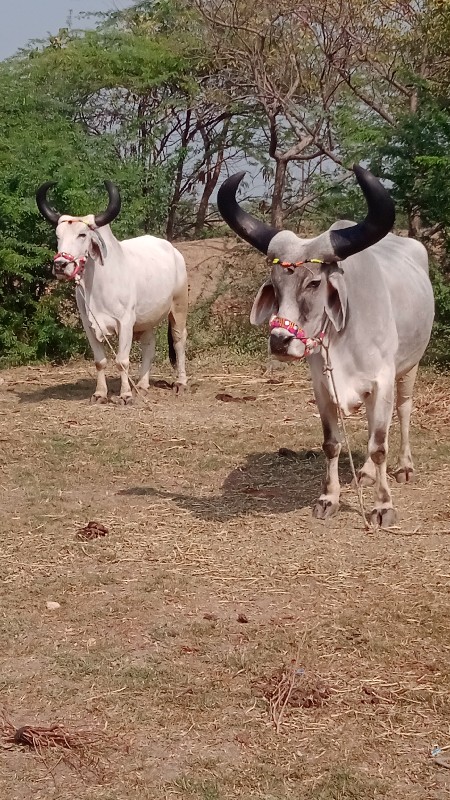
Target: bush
(439,349)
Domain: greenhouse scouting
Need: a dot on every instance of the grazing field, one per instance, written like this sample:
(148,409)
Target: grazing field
(217,641)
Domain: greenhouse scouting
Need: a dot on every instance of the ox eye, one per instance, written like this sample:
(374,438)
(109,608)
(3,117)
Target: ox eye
(81,235)
(314,284)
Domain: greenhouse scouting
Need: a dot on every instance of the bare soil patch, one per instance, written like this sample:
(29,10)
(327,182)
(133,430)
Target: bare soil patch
(205,262)
(179,622)
(222,270)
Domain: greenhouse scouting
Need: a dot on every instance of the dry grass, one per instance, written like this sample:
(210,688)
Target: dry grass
(207,508)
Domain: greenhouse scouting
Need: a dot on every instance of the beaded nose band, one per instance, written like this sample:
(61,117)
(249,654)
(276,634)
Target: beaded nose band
(311,343)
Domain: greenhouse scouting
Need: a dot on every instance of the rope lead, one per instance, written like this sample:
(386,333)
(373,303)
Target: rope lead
(329,369)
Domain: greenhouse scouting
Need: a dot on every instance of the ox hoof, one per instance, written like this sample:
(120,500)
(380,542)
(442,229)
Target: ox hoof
(126,400)
(364,479)
(324,508)
(383,517)
(98,399)
(179,388)
(405,475)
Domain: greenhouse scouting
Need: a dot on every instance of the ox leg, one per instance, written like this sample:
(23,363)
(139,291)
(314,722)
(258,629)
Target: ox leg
(123,362)
(404,472)
(177,322)
(379,407)
(328,502)
(101,390)
(148,343)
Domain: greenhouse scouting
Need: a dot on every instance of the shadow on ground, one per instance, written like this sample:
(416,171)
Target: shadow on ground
(75,391)
(271,483)
(79,390)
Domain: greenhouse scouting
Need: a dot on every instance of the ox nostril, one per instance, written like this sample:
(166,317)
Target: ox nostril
(279,342)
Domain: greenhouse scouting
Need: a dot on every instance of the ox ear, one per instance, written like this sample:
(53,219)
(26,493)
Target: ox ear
(97,247)
(336,302)
(265,304)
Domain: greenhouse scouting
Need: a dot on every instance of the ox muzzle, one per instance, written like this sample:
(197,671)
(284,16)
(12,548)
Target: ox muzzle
(289,342)
(68,268)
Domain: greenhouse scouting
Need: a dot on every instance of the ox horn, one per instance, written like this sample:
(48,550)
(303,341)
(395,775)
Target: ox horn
(255,232)
(113,208)
(380,218)
(49,213)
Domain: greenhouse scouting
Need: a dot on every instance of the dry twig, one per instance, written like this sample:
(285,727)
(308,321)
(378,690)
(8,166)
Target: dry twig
(76,747)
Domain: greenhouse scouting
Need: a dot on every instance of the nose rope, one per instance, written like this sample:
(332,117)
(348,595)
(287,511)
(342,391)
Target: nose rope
(69,259)
(107,340)
(328,369)
(311,343)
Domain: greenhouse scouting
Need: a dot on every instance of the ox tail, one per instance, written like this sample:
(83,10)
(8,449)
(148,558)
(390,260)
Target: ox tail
(172,354)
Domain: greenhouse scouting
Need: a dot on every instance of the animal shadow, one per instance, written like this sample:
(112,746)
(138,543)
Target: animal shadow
(74,391)
(266,483)
(79,390)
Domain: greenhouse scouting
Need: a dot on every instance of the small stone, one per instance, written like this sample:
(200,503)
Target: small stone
(52,605)
(242,618)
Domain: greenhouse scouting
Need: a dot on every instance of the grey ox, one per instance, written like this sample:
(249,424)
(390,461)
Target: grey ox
(366,295)
(124,288)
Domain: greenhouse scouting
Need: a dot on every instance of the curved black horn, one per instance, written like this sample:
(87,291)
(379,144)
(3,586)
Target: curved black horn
(49,213)
(254,231)
(378,222)
(113,208)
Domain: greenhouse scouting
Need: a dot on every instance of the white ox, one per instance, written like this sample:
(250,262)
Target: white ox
(124,288)
(363,294)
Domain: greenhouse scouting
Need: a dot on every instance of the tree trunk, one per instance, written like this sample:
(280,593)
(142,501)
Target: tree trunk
(176,194)
(276,213)
(211,182)
(143,159)
(414,222)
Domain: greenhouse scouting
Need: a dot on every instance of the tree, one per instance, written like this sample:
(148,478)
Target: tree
(273,66)
(36,141)
(142,78)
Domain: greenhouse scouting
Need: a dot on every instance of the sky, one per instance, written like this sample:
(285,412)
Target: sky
(35,19)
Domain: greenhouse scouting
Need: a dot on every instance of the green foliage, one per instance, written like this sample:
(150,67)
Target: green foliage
(41,138)
(107,59)
(439,350)
(340,201)
(416,158)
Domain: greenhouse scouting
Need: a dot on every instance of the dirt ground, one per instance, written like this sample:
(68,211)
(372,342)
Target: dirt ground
(206,264)
(218,641)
